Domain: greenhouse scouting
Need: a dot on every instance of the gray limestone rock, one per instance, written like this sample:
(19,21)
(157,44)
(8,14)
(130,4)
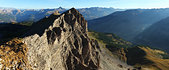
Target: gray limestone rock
(60,42)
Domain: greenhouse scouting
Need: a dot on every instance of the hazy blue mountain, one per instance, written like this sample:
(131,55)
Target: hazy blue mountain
(96,12)
(6,18)
(128,24)
(156,35)
(24,15)
(8,15)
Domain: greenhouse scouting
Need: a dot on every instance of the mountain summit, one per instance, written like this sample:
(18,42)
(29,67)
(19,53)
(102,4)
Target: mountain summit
(62,43)
(57,42)
(71,17)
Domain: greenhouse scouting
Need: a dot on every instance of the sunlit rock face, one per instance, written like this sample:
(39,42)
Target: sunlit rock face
(60,42)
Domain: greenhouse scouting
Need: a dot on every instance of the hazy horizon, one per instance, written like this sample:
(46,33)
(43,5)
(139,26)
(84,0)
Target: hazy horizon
(121,4)
(76,8)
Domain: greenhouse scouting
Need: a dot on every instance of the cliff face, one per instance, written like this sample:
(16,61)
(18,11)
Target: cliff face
(60,42)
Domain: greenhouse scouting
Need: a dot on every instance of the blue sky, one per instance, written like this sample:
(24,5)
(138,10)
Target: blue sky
(38,4)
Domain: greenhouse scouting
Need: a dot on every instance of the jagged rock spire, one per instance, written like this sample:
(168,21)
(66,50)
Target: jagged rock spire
(71,17)
(61,42)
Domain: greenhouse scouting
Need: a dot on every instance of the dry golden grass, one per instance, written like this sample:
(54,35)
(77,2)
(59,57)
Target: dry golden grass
(13,53)
(158,63)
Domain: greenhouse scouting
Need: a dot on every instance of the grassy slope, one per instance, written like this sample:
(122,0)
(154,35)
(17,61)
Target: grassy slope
(146,57)
(139,56)
(13,52)
(158,62)
(110,39)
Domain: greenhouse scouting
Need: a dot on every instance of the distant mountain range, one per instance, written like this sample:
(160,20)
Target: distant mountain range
(97,12)
(24,15)
(8,15)
(128,24)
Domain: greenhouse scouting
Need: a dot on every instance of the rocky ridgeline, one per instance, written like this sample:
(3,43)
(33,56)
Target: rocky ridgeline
(57,42)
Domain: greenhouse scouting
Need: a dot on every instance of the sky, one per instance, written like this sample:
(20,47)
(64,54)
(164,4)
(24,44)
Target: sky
(124,4)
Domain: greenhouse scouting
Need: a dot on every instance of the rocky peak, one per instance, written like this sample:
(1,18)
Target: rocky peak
(71,17)
(76,16)
(60,9)
(60,42)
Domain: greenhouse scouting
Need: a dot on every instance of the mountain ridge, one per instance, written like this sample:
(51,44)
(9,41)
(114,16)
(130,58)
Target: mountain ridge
(128,24)
(33,15)
(156,35)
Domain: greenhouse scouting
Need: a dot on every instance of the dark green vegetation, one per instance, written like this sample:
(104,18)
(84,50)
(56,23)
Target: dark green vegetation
(128,24)
(110,39)
(25,23)
(137,56)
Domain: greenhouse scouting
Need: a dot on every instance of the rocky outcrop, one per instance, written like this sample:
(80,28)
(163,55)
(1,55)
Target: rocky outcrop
(60,42)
